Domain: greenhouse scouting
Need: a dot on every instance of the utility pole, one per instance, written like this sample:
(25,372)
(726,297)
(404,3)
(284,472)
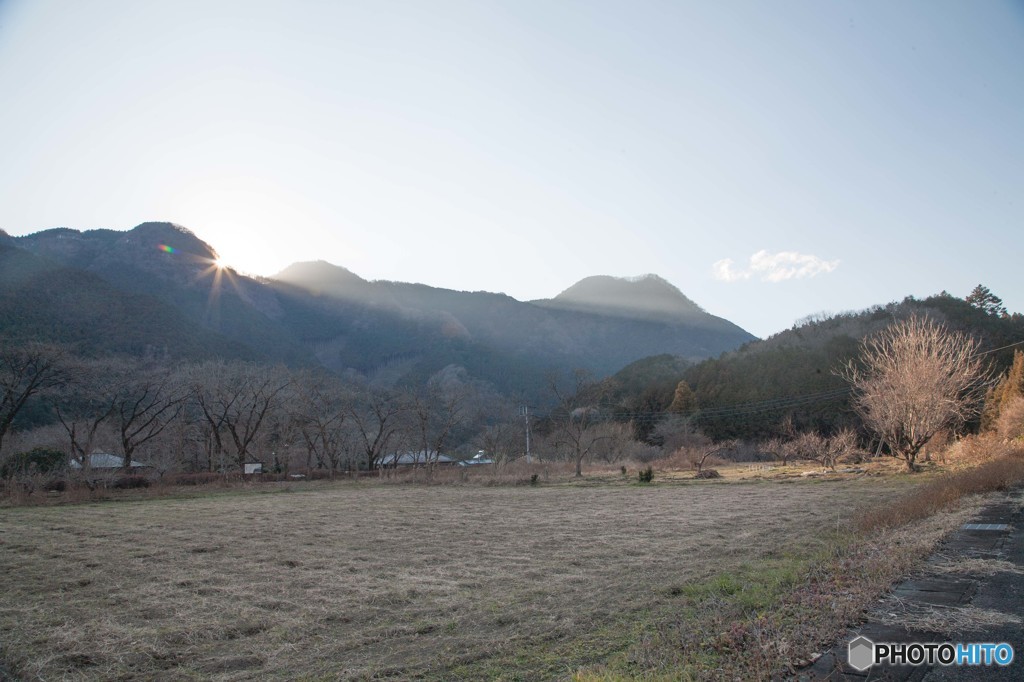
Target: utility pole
(525,411)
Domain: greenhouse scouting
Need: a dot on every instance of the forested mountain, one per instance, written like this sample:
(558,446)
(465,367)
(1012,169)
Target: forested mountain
(601,340)
(391,332)
(46,301)
(787,382)
(170,263)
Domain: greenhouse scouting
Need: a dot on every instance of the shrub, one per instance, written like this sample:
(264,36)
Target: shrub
(945,491)
(131,481)
(646,475)
(1010,424)
(708,473)
(198,478)
(34,461)
(533,479)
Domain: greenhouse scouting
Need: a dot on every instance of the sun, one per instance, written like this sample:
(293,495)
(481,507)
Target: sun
(219,263)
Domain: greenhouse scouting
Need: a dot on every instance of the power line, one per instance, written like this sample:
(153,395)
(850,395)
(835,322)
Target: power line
(996,350)
(736,409)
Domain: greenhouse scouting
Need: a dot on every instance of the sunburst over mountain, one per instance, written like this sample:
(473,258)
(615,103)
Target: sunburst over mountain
(321,313)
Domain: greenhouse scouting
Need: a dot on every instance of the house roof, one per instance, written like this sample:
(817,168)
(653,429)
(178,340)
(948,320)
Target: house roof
(411,458)
(105,460)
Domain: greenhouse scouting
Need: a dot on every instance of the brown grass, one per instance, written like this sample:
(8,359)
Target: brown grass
(778,615)
(466,574)
(977,566)
(356,580)
(945,490)
(951,621)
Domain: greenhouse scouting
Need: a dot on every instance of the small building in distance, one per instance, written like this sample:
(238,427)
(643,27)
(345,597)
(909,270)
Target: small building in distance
(479,458)
(414,459)
(104,461)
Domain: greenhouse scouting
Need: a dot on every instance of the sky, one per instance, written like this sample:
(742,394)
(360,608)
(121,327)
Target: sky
(771,159)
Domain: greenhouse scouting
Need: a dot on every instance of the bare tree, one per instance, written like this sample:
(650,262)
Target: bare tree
(235,400)
(914,379)
(503,436)
(145,401)
(575,417)
(27,370)
(612,443)
(376,416)
(501,441)
(86,406)
(825,451)
(319,413)
(808,445)
(178,446)
(776,447)
(677,433)
(785,447)
(438,410)
(703,454)
(840,445)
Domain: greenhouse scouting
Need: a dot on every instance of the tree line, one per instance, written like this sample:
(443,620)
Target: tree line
(897,387)
(220,415)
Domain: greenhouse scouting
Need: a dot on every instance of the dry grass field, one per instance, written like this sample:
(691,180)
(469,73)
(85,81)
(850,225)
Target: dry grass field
(358,580)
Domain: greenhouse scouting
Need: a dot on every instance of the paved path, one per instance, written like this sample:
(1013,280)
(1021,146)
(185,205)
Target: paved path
(997,532)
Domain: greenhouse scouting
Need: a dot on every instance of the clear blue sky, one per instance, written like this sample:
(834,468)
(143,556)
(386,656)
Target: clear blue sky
(771,159)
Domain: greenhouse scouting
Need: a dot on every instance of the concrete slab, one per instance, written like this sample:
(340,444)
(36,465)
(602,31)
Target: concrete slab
(1002,592)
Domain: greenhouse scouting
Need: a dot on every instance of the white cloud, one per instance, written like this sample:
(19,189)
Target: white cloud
(725,272)
(774,267)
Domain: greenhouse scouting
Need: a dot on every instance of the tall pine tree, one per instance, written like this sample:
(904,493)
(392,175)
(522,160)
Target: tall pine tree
(983,299)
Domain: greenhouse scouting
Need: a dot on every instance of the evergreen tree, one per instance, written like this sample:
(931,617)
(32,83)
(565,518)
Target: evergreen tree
(983,299)
(1009,388)
(683,401)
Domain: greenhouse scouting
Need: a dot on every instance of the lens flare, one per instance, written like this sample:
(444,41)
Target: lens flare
(166,249)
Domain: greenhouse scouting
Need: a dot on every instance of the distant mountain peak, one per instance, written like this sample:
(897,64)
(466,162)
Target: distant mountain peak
(167,251)
(321,277)
(180,237)
(163,225)
(644,296)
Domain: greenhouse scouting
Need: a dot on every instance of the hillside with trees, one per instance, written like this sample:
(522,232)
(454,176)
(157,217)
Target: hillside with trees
(42,300)
(320,369)
(790,382)
(816,392)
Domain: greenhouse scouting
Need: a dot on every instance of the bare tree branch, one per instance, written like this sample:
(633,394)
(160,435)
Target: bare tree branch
(914,379)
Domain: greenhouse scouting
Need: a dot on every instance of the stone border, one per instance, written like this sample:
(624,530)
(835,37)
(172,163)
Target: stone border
(996,533)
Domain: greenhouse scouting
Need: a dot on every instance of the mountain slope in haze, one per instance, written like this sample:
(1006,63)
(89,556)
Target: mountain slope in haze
(651,299)
(644,297)
(42,300)
(322,278)
(172,264)
(391,331)
(639,317)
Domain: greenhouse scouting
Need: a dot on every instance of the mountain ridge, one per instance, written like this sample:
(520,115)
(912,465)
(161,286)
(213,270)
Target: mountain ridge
(642,295)
(318,312)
